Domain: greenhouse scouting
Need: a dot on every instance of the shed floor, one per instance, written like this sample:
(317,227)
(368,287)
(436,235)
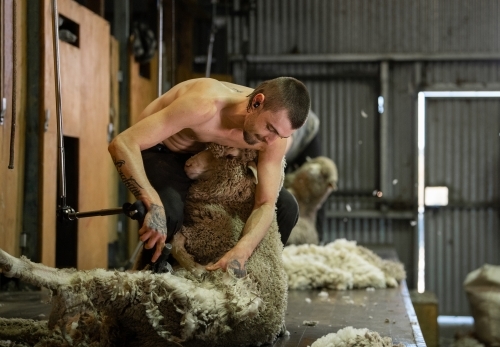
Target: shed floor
(386,311)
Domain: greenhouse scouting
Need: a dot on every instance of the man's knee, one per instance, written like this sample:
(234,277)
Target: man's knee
(287,213)
(175,218)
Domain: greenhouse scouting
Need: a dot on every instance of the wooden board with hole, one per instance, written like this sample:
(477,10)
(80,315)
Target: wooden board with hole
(85,91)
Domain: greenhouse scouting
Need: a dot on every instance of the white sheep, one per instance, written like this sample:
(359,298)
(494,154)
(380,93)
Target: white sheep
(352,337)
(311,184)
(192,307)
(339,265)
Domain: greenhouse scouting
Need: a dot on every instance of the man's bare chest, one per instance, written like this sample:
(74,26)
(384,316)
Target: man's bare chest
(225,137)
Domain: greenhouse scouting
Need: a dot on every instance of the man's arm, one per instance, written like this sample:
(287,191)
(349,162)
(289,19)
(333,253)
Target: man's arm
(269,172)
(126,149)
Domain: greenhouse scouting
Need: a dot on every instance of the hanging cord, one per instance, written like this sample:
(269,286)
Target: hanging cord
(160,46)
(173,46)
(14,85)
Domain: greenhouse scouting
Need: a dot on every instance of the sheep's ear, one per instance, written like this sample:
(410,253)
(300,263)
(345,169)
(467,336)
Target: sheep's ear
(253,167)
(231,152)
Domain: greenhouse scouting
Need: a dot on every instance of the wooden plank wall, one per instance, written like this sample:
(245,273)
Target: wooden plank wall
(114,111)
(85,86)
(142,90)
(187,13)
(11,180)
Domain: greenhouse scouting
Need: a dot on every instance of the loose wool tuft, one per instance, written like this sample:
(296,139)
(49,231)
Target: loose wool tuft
(339,265)
(191,307)
(351,337)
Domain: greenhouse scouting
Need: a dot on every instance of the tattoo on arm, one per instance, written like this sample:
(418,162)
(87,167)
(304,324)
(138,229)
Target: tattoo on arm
(239,271)
(157,220)
(130,182)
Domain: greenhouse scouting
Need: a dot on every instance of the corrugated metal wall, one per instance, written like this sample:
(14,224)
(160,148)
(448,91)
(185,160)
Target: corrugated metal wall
(462,153)
(360,26)
(437,42)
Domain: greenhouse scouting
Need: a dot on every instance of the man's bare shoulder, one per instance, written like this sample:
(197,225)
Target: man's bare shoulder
(237,88)
(197,84)
(197,93)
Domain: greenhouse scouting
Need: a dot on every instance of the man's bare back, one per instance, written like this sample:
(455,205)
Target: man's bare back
(219,128)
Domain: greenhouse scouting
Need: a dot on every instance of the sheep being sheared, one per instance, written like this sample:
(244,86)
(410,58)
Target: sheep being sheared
(192,307)
(311,184)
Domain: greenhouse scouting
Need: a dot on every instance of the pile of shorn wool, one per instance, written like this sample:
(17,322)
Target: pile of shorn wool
(351,337)
(339,265)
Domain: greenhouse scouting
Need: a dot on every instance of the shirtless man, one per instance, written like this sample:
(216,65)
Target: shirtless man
(150,155)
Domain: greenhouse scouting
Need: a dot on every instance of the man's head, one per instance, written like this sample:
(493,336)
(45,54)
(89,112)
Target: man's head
(282,98)
(285,93)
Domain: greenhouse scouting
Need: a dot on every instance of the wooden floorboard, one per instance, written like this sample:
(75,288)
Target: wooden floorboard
(386,311)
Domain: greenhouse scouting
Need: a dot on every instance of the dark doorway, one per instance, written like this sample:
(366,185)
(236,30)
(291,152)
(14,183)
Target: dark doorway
(67,231)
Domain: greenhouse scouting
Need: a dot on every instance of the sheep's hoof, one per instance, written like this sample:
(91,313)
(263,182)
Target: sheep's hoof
(7,263)
(198,270)
(283,331)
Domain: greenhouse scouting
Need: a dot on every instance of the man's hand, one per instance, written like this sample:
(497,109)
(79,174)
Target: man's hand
(154,230)
(235,260)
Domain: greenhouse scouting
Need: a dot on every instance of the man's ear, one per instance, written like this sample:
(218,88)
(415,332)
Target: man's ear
(258,99)
(252,166)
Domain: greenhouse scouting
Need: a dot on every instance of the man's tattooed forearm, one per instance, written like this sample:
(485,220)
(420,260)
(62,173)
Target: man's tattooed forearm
(118,163)
(130,182)
(239,271)
(157,220)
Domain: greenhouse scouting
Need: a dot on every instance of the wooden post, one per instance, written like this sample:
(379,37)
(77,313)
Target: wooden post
(426,309)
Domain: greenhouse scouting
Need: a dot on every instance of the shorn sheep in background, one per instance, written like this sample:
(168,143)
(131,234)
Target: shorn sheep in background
(311,184)
(191,306)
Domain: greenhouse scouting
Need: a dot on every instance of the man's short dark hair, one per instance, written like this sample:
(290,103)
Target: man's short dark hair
(285,93)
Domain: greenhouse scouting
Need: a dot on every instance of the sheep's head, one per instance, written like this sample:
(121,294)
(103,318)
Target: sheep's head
(313,181)
(217,158)
(226,170)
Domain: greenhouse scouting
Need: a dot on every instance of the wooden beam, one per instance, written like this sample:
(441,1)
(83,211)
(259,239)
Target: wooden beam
(96,6)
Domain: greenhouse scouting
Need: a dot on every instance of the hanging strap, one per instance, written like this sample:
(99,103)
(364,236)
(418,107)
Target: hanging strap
(14,84)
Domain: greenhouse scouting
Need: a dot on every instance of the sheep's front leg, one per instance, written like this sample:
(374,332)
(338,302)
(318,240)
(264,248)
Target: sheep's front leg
(185,259)
(33,273)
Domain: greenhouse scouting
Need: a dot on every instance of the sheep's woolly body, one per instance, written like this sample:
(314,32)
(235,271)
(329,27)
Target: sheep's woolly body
(339,265)
(147,309)
(231,202)
(351,337)
(304,232)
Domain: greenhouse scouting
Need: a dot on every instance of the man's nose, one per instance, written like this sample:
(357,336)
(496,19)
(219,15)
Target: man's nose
(271,138)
